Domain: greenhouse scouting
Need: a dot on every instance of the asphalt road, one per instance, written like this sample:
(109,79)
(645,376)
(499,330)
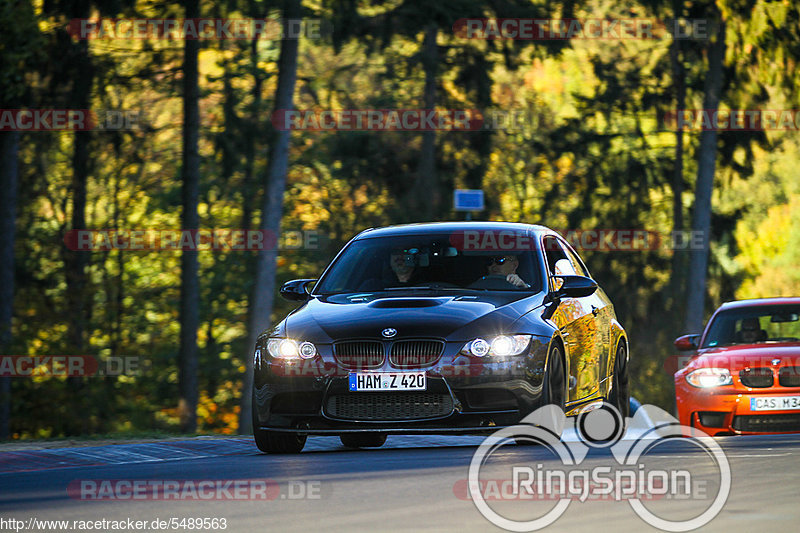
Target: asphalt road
(410,484)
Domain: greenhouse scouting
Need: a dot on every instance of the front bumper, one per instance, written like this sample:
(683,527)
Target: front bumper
(464,395)
(727,410)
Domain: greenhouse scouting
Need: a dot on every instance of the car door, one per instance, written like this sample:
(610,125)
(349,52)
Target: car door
(599,325)
(576,322)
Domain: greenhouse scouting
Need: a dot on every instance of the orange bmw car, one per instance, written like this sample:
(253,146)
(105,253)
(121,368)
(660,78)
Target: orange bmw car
(743,374)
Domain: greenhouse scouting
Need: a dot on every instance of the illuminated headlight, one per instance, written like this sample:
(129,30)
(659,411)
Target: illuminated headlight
(501,346)
(709,377)
(290,349)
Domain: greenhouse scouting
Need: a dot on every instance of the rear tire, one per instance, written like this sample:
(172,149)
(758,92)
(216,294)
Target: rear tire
(363,440)
(620,396)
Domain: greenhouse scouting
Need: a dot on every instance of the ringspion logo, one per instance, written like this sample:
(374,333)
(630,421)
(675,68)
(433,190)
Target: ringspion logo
(635,476)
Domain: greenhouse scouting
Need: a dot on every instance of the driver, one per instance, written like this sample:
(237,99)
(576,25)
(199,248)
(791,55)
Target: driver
(751,331)
(506,266)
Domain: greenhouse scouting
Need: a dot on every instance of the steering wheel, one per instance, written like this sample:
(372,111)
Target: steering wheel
(492,281)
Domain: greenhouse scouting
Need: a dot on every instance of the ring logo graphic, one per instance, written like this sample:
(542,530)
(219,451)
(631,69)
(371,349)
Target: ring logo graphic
(648,469)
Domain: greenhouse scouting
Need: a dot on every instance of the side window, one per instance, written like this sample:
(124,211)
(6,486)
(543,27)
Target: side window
(554,252)
(577,264)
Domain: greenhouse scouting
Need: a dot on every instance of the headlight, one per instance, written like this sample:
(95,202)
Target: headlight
(478,347)
(290,349)
(709,377)
(501,346)
(307,350)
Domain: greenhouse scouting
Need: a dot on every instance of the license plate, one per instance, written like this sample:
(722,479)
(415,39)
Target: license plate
(774,403)
(387,381)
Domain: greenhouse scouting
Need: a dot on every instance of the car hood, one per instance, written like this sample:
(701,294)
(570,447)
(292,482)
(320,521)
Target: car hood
(449,316)
(749,355)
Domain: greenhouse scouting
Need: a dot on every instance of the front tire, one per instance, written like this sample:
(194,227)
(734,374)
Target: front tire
(363,440)
(276,441)
(553,389)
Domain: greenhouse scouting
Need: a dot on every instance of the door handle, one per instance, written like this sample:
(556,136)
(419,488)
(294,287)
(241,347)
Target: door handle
(595,310)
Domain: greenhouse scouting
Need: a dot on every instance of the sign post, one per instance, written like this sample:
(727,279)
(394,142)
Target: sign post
(468,200)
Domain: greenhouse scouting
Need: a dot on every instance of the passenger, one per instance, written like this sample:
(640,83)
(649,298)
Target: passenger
(401,266)
(401,263)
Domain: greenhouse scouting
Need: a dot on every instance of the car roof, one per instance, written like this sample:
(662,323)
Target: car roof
(759,301)
(448,227)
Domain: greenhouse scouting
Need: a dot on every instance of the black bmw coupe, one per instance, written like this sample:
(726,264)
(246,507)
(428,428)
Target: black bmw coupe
(456,328)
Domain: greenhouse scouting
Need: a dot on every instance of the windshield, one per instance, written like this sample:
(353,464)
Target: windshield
(753,325)
(427,262)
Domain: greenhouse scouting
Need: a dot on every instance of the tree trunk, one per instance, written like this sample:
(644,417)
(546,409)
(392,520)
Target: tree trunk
(679,84)
(76,262)
(271,212)
(9,183)
(190,290)
(701,217)
(426,195)
(252,132)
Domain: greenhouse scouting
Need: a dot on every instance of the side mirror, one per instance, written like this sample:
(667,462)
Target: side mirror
(687,343)
(296,290)
(575,287)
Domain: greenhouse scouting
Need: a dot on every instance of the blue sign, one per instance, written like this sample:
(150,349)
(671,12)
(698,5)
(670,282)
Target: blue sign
(468,200)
